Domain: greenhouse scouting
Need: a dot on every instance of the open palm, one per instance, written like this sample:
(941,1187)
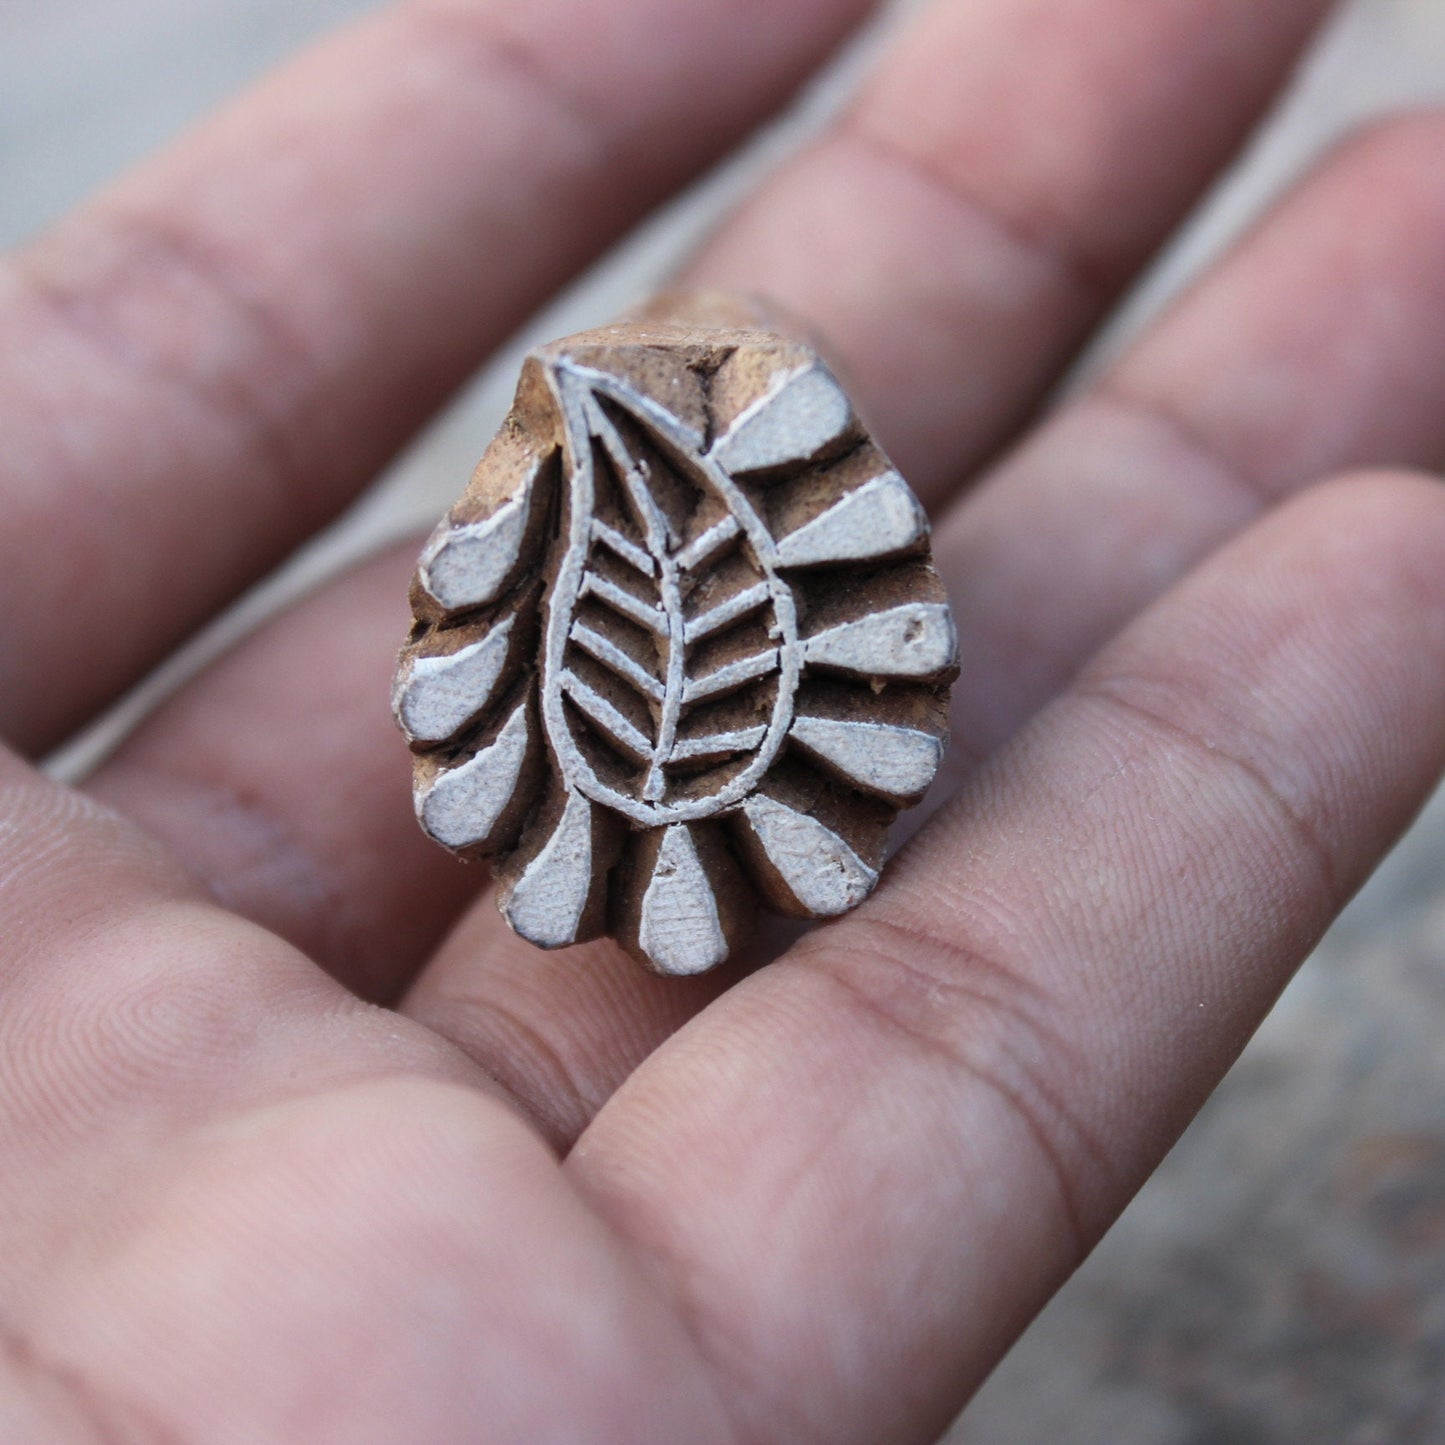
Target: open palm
(290,1154)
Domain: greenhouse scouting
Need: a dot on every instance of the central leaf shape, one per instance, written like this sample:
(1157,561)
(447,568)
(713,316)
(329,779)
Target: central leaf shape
(671,657)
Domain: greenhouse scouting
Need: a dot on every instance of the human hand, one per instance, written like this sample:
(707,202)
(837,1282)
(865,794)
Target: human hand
(1202,692)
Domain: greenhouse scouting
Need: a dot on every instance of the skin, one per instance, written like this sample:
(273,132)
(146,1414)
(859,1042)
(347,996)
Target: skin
(297,1144)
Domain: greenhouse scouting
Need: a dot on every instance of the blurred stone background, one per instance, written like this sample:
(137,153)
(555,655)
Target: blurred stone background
(1282,1279)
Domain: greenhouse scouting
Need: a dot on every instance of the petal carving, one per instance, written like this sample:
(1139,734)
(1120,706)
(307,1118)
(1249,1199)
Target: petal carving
(879,519)
(471,563)
(807,868)
(680,912)
(795,423)
(473,807)
(892,762)
(552,891)
(436,697)
(914,640)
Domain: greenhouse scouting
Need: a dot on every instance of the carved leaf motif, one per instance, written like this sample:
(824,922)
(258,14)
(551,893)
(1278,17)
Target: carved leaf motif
(663,681)
(678,648)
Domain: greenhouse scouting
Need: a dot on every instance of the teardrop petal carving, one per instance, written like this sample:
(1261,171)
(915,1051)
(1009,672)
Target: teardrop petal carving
(552,889)
(438,695)
(473,806)
(881,518)
(806,868)
(914,640)
(892,762)
(680,912)
(471,561)
(798,420)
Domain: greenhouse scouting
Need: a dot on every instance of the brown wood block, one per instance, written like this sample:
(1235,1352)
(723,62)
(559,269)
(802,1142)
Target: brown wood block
(679,643)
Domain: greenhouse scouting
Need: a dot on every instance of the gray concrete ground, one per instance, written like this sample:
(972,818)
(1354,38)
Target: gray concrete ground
(1282,1280)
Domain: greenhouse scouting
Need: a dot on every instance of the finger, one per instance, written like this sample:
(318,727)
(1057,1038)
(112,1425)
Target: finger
(212,1156)
(280,777)
(131,1006)
(1318,346)
(861,1171)
(205,363)
(994,187)
(1348,265)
